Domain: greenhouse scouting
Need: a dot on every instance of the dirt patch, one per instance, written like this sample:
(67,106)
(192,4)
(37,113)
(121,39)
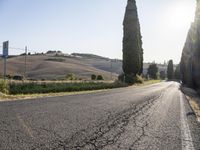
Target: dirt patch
(194,100)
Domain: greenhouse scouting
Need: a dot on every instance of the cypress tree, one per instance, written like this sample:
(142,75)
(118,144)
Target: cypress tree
(170,70)
(190,60)
(153,71)
(132,42)
(177,74)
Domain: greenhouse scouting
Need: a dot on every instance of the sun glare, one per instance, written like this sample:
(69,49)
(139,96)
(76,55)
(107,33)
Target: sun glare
(181,14)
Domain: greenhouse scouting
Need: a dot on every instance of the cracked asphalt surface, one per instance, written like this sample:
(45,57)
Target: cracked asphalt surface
(134,118)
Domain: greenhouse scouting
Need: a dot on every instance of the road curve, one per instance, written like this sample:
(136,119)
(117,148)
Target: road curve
(135,118)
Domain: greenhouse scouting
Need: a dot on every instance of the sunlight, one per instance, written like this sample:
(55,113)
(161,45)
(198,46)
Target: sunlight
(181,14)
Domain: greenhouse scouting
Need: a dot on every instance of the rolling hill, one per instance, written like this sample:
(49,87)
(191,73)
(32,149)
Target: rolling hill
(57,67)
(53,66)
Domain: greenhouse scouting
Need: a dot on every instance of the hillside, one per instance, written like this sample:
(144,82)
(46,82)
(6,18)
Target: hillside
(51,67)
(56,67)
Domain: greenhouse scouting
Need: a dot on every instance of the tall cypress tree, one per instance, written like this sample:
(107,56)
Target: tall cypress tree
(177,74)
(170,70)
(132,41)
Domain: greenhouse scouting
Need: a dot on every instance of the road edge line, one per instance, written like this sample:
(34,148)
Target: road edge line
(187,142)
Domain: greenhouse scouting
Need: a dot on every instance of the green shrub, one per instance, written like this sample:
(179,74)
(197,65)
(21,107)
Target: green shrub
(71,76)
(4,87)
(55,59)
(93,77)
(131,79)
(138,79)
(100,77)
(32,88)
(8,76)
(18,77)
(121,77)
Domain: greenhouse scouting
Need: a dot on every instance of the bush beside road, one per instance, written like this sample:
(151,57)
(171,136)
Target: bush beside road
(15,88)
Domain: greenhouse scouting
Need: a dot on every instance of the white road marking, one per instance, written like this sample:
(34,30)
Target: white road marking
(187,143)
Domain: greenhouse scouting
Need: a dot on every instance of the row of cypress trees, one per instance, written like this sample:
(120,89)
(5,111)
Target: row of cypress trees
(171,74)
(190,61)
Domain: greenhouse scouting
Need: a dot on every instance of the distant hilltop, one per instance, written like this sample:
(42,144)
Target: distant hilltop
(81,55)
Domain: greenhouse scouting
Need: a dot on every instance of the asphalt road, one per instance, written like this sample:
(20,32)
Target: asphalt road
(134,118)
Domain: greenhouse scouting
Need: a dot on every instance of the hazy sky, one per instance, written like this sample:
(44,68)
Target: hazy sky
(95,26)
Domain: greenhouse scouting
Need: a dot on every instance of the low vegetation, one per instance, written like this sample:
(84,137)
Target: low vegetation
(93,77)
(55,59)
(4,87)
(71,76)
(45,87)
(130,79)
(96,77)
(100,77)
(13,87)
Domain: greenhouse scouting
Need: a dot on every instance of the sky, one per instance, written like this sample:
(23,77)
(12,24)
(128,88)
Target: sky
(88,26)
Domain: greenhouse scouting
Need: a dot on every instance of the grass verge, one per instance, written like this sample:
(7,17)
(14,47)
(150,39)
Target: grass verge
(30,90)
(34,96)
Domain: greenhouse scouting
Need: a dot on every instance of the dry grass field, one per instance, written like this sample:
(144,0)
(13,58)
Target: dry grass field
(55,68)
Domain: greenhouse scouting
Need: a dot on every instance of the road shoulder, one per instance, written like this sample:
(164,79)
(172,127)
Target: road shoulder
(194,100)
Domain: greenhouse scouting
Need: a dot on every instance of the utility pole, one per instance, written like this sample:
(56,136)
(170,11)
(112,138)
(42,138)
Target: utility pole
(25,61)
(111,69)
(4,68)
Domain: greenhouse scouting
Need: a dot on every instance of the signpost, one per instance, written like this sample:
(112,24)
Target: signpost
(5,55)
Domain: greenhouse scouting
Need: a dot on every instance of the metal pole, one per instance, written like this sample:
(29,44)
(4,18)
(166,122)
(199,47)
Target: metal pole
(111,70)
(25,61)
(4,67)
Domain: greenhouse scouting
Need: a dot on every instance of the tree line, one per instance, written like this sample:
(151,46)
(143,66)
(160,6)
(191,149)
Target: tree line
(190,61)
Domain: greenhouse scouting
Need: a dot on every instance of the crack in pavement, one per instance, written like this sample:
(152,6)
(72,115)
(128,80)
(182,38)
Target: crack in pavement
(102,135)
(146,121)
(109,131)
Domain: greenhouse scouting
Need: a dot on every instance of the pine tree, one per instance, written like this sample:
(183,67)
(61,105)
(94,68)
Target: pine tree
(170,70)
(132,42)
